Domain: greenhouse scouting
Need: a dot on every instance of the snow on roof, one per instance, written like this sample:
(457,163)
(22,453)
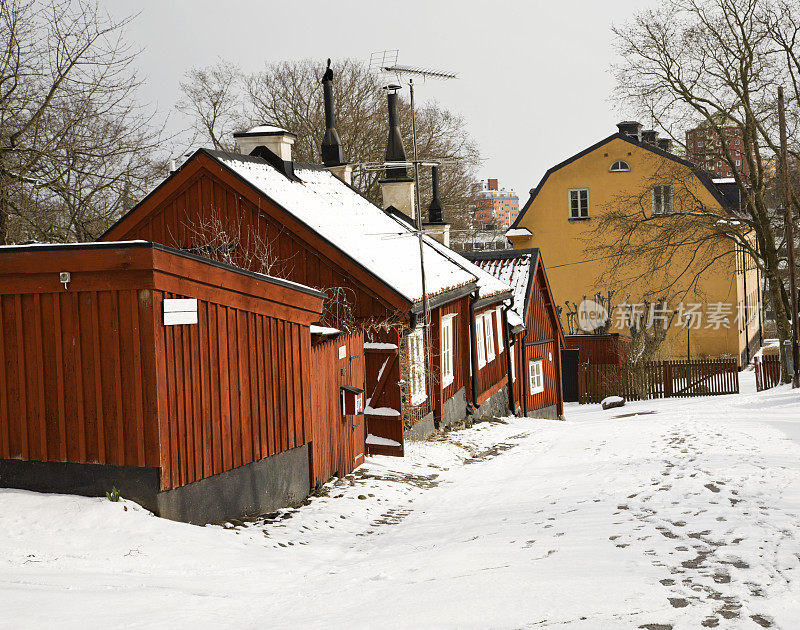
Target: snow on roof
(65,245)
(324,330)
(724,180)
(514,271)
(488,284)
(384,245)
(264,129)
(518,232)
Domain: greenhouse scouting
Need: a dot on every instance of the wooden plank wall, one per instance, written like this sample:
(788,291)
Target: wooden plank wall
(333,448)
(181,218)
(491,375)
(547,351)
(76,377)
(605,349)
(236,390)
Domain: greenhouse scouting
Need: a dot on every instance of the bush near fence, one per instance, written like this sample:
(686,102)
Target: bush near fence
(657,379)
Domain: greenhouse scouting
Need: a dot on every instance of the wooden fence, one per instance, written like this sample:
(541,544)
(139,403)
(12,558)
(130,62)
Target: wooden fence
(657,379)
(768,372)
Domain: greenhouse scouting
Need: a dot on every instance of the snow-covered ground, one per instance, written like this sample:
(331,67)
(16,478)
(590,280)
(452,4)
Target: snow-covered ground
(684,515)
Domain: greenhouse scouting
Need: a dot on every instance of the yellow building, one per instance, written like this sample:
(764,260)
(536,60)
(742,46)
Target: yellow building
(624,191)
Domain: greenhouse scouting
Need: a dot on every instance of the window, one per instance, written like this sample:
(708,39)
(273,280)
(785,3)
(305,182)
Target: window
(511,358)
(619,167)
(535,376)
(499,314)
(416,371)
(481,349)
(662,199)
(579,203)
(489,336)
(447,350)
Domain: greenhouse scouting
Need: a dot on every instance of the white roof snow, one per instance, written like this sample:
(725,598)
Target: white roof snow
(514,272)
(381,243)
(518,232)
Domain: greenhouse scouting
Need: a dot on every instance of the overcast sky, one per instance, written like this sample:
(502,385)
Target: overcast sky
(534,77)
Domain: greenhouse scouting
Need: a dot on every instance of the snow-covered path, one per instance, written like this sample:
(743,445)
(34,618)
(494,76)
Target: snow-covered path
(685,515)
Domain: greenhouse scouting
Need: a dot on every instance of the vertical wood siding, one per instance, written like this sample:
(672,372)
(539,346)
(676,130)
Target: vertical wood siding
(337,441)
(493,374)
(176,219)
(233,390)
(551,373)
(92,375)
(611,348)
(76,377)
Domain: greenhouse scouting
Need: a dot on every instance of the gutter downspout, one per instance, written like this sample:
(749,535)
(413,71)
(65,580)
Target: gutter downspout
(473,357)
(510,382)
(524,375)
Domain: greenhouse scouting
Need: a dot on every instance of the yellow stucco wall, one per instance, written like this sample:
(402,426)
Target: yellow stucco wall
(573,274)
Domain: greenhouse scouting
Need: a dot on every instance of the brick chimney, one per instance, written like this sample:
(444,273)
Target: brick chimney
(276,139)
(397,188)
(665,144)
(631,128)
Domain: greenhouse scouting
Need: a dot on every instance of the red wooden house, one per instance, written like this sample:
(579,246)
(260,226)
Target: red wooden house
(534,328)
(321,232)
(183,382)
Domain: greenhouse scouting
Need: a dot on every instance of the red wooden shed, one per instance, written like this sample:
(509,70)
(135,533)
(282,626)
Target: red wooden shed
(533,328)
(605,348)
(183,382)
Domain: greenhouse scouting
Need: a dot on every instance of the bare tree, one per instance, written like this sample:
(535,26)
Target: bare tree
(288,94)
(212,100)
(715,63)
(74,146)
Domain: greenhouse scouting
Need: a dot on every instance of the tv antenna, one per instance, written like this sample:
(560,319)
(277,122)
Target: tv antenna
(384,62)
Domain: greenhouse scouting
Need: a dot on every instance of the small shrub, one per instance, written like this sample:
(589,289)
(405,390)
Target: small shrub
(113,496)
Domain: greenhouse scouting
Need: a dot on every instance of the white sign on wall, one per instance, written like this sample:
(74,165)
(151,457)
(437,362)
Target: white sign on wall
(180,311)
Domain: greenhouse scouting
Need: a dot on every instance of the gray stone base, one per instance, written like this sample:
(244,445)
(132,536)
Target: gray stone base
(494,407)
(256,488)
(420,430)
(455,409)
(545,412)
(140,484)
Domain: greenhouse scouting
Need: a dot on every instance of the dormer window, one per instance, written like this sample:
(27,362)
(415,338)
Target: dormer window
(619,167)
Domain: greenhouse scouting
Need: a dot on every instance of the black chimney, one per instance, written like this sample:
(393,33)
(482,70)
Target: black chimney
(665,144)
(435,212)
(630,128)
(331,146)
(394,145)
(650,136)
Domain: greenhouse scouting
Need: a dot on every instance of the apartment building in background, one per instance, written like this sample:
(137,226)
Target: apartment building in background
(704,148)
(495,207)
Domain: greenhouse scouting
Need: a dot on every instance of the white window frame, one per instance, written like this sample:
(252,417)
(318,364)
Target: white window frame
(511,358)
(479,346)
(447,350)
(578,214)
(489,335)
(661,209)
(499,315)
(416,367)
(623,167)
(536,375)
